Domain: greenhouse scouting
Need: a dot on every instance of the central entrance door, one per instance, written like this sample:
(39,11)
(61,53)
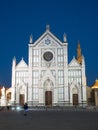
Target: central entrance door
(75,99)
(48,98)
(21,99)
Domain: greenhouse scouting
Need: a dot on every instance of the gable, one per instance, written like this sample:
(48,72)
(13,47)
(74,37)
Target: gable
(48,40)
(74,63)
(22,64)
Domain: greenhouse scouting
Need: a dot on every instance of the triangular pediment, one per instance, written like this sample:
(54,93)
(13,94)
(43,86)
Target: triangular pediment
(48,40)
(74,63)
(22,64)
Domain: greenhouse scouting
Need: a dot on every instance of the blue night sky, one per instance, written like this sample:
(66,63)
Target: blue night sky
(20,18)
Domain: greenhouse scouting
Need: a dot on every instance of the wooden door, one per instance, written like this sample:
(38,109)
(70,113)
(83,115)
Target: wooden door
(48,98)
(75,99)
(21,99)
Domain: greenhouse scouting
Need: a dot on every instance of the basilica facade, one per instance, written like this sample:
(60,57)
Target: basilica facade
(48,79)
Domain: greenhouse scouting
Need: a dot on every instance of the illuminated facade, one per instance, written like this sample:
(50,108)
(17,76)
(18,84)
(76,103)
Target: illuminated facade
(48,79)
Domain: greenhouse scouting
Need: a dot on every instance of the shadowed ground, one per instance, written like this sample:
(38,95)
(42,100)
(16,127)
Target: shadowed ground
(49,120)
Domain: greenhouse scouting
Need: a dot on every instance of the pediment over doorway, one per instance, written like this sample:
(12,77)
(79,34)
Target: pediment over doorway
(22,90)
(48,84)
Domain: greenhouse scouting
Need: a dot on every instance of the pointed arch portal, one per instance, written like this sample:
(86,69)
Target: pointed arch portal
(75,96)
(75,99)
(21,99)
(48,98)
(48,85)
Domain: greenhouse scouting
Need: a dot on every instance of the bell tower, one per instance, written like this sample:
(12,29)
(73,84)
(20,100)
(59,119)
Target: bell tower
(79,55)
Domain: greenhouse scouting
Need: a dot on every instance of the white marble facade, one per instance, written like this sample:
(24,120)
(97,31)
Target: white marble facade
(3,97)
(48,78)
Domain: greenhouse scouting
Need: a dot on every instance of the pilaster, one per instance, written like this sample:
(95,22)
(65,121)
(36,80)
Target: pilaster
(13,72)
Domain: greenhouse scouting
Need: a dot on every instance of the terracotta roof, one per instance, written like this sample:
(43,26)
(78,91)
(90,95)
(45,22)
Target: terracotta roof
(95,85)
(6,88)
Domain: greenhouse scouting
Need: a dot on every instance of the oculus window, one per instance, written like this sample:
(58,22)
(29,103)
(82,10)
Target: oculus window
(48,56)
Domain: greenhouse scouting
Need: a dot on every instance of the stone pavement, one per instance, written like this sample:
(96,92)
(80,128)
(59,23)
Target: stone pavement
(49,120)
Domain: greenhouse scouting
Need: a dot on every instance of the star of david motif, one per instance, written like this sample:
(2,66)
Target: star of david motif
(47,42)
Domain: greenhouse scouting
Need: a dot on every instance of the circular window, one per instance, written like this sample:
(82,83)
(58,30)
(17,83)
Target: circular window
(48,56)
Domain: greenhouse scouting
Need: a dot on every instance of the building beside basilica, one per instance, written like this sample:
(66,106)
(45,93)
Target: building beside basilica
(48,78)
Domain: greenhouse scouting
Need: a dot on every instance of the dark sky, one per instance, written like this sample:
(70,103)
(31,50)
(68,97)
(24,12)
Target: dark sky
(20,18)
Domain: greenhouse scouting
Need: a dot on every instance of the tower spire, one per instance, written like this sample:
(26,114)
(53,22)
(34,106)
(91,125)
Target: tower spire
(79,55)
(14,61)
(47,27)
(64,37)
(31,39)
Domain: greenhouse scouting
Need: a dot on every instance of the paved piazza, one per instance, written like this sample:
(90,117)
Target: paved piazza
(49,120)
